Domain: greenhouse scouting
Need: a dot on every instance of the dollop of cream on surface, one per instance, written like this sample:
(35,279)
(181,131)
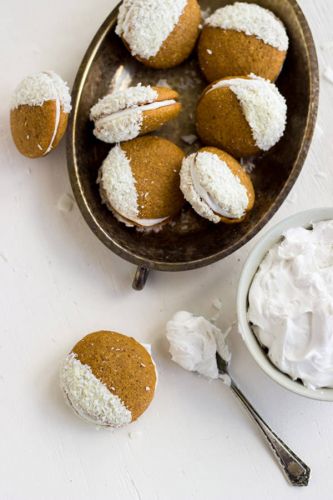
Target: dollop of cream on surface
(194,342)
(291,304)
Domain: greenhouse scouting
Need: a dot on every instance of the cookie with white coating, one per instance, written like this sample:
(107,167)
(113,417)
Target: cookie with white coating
(216,186)
(240,39)
(139,182)
(127,114)
(108,379)
(244,116)
(39,113)
(159,33)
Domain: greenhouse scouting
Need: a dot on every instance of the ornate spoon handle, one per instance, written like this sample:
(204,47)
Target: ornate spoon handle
(297,472)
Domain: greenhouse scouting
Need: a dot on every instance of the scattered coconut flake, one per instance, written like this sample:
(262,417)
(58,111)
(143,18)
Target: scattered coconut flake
(217,303)
(135,435)
(248,164)
(327,45)
(251,19)
(211,188)
(65,203)
(328,74)
(163,83)
(117,184)
(209,51)
(147,389)
(36,89)
(39,147)
(189,139)
(89,397)
(206,13)
(265,109)
(145,25)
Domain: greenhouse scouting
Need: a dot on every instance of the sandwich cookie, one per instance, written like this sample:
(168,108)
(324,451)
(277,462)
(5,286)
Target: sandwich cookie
(39,113)
(216,186)
(126,114)
(159,33)
(244,116)
(139,182)
(240,39)
(108,379)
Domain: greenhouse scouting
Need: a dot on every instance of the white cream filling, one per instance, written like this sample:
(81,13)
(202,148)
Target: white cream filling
(126,124)
(211,188)
(291,304)
(204,195)
(137,221)
(264,108)
(57,117)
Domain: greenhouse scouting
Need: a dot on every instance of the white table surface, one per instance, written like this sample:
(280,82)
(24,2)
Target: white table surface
(58,282)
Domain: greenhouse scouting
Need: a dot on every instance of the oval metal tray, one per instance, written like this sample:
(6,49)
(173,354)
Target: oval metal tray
(190,242)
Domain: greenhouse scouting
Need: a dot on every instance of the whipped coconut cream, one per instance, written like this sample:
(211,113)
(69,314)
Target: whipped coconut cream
(291,304)
(194,342)
(211,188)
(265,109)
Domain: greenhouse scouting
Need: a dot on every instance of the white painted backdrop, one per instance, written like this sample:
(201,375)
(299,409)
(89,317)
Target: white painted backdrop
(58,282)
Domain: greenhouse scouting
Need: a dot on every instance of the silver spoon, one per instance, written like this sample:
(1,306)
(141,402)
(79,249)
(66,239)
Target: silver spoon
(296,471)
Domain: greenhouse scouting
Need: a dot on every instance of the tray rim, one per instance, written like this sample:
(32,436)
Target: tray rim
(78,190)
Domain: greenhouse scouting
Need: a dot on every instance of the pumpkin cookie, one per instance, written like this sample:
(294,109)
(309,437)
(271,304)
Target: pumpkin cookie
(39,113)
(243,116)
(216,186)
(126,114)
(241,39)
(139,182)
(108,379)
(159,33)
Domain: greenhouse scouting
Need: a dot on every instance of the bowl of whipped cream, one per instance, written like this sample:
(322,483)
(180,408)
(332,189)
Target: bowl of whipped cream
(285,303)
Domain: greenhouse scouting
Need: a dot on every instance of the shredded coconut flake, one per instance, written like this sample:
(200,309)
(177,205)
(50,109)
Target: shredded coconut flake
(36,89)
(89,397)
(211,188)
(117,184)
(253,20)
(146,24)
(265,109)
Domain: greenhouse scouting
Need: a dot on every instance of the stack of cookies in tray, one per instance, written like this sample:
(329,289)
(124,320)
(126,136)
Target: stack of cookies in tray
(145,180)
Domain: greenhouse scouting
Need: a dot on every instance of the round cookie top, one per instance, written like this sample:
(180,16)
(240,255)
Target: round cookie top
(39,88)
(108,379)
(251,19)
(265,109)
(145,25)
(212,187)
(139,180)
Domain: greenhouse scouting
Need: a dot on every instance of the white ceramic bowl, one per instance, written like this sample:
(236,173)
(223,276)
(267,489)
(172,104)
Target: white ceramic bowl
(251,266)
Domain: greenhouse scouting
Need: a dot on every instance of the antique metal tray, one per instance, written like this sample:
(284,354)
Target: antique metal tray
(190,242)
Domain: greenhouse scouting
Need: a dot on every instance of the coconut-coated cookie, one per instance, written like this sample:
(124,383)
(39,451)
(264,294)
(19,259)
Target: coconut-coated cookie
(139,182)
(240,39)
(39,113)
(159,33)
(127,114)
(243,116)
(108,379)
(216,186)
